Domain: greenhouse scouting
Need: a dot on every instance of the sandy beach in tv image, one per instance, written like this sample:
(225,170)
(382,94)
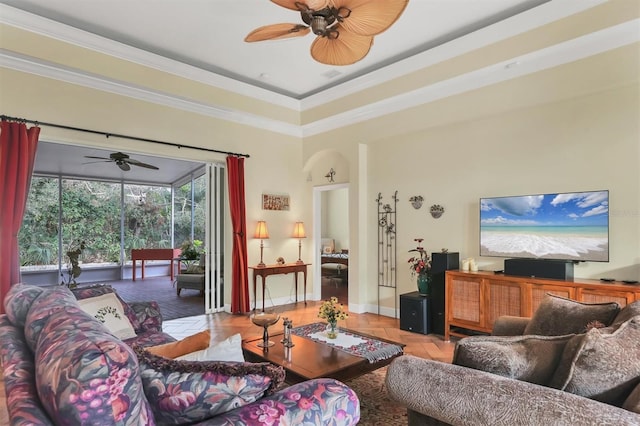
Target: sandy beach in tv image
(572,226)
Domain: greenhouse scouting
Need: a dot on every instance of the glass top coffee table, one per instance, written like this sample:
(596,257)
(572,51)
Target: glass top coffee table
(311,359)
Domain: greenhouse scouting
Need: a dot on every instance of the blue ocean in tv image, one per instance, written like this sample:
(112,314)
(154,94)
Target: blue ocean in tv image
(567,226)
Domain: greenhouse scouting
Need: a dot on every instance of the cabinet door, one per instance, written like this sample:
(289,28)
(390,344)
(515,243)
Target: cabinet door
(505,298)
(539,290)
(589,295)
(465,299)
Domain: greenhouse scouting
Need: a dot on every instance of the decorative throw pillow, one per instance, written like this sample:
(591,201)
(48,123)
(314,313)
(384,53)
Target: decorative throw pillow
(528,358)
(557,316)
(191,391)
(601,366)
(228,350)
(187,345)
(109,311)
(94,290)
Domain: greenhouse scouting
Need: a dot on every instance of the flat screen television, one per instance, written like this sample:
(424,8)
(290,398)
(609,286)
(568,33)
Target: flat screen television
(572,226)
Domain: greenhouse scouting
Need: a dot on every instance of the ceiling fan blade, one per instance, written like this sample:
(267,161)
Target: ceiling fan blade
(346,49)
(311,4)
(123,166)
(277,32)
(97,158)
(370,17)
(141,164)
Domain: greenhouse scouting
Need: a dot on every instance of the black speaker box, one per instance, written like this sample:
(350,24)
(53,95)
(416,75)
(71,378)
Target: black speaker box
(414,313)
(540,268)
(440,262)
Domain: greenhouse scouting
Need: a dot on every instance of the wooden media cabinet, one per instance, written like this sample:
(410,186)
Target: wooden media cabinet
(474,300)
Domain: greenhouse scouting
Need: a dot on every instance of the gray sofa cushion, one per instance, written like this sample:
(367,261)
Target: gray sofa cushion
(558,316)
(532,359)
(602,366)
(626,313)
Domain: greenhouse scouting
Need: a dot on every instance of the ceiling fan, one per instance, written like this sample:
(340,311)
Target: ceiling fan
(123,161)
(345,28)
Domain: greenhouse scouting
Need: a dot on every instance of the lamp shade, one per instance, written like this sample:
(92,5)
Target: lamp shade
(298,230)
(261,230)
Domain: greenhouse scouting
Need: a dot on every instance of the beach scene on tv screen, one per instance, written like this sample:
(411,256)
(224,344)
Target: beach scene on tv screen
(571,226)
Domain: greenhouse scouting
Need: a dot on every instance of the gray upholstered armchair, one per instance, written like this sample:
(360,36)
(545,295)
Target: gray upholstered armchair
(193,277)
(562,367)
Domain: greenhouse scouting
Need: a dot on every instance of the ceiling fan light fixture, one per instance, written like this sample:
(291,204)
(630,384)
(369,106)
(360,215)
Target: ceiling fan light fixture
(319,25)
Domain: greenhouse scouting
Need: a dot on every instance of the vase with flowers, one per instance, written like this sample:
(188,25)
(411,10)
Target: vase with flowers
(332,311)
(420,266)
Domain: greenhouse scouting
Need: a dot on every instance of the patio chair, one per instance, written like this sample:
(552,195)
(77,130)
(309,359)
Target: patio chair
(193,277)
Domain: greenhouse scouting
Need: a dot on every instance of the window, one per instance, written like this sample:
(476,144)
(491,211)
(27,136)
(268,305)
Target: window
(189,210)
(147,217)
(38,238)
(91,213)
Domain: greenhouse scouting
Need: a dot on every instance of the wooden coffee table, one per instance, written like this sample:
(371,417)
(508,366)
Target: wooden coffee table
(309,359)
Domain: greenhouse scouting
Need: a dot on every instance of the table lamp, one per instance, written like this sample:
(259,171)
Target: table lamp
(298,232)
(263,233)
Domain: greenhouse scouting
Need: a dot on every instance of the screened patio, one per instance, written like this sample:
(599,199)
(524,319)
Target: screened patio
(77,198)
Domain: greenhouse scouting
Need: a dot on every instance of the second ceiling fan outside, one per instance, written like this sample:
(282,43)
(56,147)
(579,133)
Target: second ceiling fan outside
(123,161)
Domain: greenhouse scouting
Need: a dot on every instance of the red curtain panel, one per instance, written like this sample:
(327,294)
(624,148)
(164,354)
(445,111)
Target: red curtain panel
(239,267)
(17,154)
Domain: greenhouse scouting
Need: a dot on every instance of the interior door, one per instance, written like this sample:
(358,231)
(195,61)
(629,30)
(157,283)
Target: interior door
(327,212)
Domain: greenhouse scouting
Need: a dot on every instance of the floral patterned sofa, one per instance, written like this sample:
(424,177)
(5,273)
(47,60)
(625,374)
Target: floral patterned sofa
(62,366)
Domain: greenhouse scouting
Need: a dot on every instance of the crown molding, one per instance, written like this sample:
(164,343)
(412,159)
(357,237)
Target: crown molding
(14,61)
(569,51)
(507,28)
(510,27)
(65,33)
(590,44)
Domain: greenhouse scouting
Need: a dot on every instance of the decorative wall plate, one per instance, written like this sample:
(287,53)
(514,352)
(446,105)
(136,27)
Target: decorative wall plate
(416,201)
(436,211)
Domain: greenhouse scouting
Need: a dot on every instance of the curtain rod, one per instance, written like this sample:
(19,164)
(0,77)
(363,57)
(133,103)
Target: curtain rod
(116,135)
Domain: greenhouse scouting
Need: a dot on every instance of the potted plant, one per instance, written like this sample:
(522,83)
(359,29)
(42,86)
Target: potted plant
(73,267)
(191,250)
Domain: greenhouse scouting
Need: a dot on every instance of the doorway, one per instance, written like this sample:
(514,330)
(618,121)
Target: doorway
(331,211)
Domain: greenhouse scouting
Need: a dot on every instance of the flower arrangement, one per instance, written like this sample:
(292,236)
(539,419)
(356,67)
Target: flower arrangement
(420,264)
(332,311)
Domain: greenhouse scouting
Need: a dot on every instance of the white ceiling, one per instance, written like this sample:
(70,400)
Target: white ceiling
(209,34)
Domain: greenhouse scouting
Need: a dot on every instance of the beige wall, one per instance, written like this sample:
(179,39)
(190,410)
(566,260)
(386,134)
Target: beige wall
(274,165)
(570,128)
(589,143)
(584,143)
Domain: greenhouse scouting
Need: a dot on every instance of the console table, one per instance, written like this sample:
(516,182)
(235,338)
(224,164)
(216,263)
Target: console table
(169,254)
(474,300)
(265,271)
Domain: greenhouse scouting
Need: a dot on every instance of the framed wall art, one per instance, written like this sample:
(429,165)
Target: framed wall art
(275,202)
